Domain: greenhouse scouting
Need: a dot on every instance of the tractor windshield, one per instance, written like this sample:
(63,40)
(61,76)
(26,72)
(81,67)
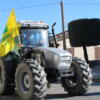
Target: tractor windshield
(34,37)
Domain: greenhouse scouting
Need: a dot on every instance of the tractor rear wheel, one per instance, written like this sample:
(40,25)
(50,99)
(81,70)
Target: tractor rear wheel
(6,88)
(30,80)
(79,83)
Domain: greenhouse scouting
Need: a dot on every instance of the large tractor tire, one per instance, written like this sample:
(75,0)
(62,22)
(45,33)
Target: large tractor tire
(30,80)
(79,83)
(84,32)
(6,87)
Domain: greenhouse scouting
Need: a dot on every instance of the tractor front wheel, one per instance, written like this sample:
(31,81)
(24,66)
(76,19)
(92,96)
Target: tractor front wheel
(79,83)
(30,80)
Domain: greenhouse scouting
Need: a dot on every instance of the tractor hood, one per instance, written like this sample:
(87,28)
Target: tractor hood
(55,57)
(56,51)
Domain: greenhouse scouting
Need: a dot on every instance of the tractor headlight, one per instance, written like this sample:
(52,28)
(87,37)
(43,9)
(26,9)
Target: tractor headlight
(65,58)
(65,61)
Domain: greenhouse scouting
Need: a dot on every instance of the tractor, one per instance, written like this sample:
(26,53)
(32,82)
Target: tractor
(28,70)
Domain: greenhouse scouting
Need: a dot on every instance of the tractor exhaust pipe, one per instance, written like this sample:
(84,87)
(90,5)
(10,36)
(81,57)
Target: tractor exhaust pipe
(53,32)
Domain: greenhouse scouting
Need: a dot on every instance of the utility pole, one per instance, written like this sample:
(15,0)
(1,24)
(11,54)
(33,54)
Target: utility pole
(63,24)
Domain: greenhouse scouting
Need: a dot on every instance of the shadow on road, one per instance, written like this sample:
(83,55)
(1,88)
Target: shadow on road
(92,94)
(50,96)
(9,98)
(59,96)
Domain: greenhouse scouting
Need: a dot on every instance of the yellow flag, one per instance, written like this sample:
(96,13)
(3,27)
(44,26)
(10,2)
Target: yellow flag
(10,32)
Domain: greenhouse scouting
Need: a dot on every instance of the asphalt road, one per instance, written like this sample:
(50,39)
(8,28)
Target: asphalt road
(56,92)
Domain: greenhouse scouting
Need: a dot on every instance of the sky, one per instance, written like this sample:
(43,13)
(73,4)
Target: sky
(48,11)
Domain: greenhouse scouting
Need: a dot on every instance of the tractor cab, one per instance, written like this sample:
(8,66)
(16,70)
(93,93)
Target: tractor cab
(34,34)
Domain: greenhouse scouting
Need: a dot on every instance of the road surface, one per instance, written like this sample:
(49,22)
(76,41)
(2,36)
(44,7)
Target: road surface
(56,92)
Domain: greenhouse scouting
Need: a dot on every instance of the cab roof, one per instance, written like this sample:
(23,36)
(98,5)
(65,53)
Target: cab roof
(32,24)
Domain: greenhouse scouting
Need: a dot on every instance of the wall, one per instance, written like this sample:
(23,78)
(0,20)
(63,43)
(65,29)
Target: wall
(93,52)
